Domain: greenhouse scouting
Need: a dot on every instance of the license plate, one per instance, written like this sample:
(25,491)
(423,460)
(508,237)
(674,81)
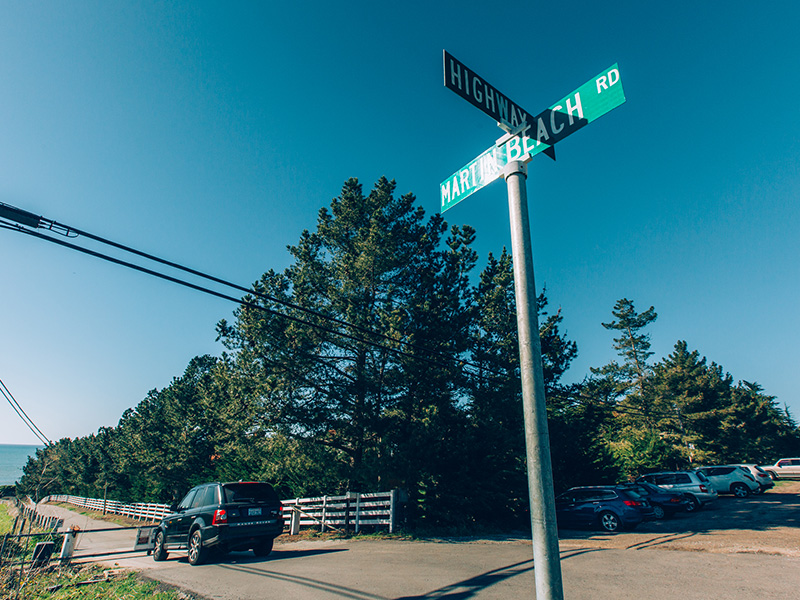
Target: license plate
(253,511)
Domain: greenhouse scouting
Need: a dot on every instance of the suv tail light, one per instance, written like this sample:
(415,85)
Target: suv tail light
(220,517)
(703,489)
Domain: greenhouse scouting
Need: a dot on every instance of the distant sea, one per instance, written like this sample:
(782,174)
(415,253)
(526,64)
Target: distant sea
(12,458)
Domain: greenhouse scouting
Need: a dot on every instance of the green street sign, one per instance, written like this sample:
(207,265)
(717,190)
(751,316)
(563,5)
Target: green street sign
(592,100)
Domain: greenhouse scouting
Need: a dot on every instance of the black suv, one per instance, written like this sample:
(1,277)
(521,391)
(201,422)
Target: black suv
(221,517)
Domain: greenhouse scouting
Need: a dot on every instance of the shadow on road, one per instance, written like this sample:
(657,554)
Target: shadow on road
(307,582)
(459,590)
(470,587)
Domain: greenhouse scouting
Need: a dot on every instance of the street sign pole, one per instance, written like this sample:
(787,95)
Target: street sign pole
(527,136)
(546,557)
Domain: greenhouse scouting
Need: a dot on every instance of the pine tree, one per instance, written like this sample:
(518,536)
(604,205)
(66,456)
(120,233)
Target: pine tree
(632,345)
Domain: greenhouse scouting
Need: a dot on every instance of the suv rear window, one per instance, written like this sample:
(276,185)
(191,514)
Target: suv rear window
(249,492)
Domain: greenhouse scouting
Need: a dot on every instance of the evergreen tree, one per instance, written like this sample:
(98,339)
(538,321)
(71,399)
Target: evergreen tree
(621,386)
(631,344)
(372,265)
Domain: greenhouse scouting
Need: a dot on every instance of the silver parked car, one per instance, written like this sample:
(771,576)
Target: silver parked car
(696,486)
(785,468)
(730,479)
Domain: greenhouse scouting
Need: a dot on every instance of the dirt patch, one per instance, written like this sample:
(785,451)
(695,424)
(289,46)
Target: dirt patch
(764,524)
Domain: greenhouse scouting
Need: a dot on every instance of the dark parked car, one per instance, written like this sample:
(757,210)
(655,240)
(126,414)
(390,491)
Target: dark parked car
(221,517)
(607,507)
(665,503)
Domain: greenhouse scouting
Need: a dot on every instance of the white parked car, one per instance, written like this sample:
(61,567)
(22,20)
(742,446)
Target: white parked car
(760,475)
(730,479)
(785,468)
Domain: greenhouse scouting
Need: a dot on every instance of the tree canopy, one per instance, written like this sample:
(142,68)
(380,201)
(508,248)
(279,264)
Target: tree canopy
(381,358)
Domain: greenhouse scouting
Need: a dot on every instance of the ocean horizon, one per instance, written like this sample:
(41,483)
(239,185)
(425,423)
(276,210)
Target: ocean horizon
(12,458)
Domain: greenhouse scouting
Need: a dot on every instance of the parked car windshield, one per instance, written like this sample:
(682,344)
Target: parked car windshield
(249,492)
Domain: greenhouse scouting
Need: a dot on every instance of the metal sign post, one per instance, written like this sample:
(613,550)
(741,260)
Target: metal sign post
(544,530)
(527,136)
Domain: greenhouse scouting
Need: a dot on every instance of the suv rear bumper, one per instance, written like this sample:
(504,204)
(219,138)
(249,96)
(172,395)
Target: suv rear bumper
(241,535)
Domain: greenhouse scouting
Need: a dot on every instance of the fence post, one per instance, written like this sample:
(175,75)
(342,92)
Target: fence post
(324,513)
(393,510)
(347,512)
(294,524)
(358,512)
(67,547)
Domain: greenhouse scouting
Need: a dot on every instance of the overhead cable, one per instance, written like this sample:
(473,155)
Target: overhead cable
(239,301)
(22,414)
(31,220)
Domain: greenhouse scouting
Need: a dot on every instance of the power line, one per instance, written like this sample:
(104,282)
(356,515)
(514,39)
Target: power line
(252,305)
(22,414)
(38,222)
(22,217)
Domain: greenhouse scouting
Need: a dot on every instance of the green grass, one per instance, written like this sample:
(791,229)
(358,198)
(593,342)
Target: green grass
(59,583)
(63,584)
(6,520)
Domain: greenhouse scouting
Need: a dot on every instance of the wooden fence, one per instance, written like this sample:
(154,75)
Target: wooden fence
(352,511)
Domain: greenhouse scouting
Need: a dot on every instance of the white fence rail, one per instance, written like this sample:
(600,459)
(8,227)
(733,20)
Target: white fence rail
(352,510)
(355,510)
(140,511)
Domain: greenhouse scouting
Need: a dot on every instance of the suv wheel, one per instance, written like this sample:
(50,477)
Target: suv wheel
(740,490)
(658,511)
(264,548)
(159,552)
(693,505)
(609,522)
(197,553)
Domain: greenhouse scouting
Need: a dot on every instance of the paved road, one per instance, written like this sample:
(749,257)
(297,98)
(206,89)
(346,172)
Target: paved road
(394,570)
(383,570)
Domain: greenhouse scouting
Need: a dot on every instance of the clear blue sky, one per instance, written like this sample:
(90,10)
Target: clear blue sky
(212,133)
